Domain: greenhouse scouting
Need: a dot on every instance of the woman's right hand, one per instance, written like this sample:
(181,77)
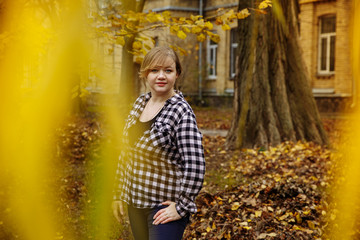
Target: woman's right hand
(117,207)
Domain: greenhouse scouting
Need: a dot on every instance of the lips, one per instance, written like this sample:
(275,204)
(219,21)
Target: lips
(161,84)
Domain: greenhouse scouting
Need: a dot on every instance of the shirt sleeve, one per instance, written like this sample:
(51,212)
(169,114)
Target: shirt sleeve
(189,143)
(119,177)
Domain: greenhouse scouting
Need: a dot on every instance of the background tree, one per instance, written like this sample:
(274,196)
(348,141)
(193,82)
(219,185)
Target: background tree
(273,100)
(128,87)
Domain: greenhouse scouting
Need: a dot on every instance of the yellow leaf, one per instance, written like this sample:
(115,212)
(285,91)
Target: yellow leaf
(296,227)
(213,226)
(200,22)
(186,29)
(284,216)
(218,21)
(139,60)
(243,14)
(225,27)
(208,229)
(209,25)
(159,17)
(201,37)
(137,45)
(147,46)
(120,41)
(265,4)
(123,32)
(182,51)
(298,218)
(307,212)
(258,213)
(311,224)
(195,18)
(166,14)
(196,29)
(152,17)
(215,38)
(235,206)
(181,34)
(174,29)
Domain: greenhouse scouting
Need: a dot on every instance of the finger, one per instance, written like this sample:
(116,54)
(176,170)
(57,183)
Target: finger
(167,220)
(160,219)
(158,213)
(121,209)
(166,203)
(116,214)
(117,208)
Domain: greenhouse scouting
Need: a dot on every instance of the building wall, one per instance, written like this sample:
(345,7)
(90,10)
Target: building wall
(339,83)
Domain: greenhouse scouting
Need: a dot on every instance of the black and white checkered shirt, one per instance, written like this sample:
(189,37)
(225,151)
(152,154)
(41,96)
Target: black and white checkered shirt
(166,162)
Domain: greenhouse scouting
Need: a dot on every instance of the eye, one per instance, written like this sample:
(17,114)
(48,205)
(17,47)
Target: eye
(154,70)
(168,71)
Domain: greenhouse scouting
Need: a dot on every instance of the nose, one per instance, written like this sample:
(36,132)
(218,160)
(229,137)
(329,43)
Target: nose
(161,74)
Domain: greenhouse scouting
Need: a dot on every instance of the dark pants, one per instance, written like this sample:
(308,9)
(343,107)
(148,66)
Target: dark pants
(141,225)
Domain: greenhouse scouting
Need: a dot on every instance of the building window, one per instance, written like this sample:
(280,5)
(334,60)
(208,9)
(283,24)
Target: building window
(233,47)
(156,41)
(327,36)
(211,59)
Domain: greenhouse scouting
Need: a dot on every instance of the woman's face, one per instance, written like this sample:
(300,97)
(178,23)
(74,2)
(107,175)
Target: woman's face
(161,78)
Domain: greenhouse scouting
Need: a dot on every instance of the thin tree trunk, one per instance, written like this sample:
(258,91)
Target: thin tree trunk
(273,100)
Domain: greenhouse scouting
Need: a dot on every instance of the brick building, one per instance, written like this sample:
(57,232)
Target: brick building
(324,30)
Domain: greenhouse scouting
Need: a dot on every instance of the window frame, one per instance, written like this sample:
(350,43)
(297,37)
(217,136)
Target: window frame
(211,48)
(233,46)
(327,36)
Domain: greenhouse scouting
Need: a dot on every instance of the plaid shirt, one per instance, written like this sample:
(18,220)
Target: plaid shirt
(166,162)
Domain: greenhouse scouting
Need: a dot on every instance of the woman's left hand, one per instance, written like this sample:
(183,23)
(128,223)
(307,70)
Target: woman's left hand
(167,214)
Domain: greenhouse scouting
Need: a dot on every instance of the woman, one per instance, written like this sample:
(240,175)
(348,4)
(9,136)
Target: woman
(161,170)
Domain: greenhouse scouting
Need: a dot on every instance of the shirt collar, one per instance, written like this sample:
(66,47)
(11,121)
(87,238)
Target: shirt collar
(177,97)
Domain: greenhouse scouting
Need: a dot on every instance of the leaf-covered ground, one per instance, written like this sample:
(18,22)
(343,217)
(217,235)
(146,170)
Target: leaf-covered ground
(276,194)
(279,193)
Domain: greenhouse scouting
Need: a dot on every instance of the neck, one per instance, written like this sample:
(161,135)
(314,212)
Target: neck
(156,98)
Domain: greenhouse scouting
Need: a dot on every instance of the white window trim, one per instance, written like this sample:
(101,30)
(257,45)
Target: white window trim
(211,48)
(233,59)
(233,47)
(326,36)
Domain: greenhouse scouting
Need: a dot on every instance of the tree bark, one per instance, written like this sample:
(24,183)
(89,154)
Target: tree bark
(128,87)
(273,100)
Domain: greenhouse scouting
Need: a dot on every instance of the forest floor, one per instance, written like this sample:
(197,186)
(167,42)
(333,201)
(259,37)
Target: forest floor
(283,192)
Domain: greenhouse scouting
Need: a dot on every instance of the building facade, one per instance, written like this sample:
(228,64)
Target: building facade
(325,34)
(210,67)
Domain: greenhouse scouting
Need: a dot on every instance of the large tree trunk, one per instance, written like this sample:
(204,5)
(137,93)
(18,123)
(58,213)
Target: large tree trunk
(273,101)
(129,88)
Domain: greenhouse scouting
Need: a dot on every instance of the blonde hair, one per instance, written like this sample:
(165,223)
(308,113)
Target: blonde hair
(157,56)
